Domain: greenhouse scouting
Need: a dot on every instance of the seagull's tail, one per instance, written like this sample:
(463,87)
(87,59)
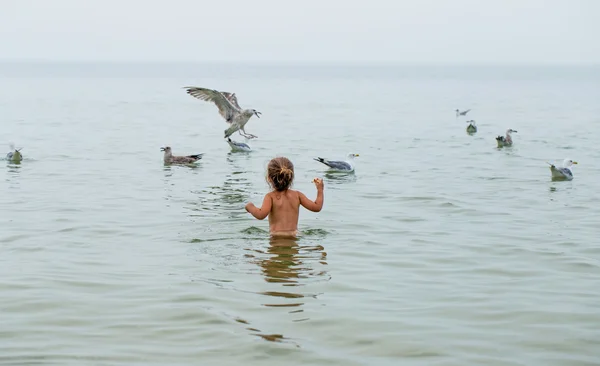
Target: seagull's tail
(197,156)
(321,160)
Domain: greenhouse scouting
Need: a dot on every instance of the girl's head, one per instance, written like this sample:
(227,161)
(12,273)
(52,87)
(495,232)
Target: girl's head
(280,173)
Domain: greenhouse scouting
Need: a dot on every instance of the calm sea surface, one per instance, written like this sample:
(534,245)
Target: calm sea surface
(440,250)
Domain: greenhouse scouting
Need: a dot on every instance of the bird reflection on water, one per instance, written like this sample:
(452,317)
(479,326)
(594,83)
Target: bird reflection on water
(339,178)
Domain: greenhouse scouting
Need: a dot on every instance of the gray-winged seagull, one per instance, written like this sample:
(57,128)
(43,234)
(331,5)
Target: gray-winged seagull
(346,166)
(505,141)
(463,113)
(228,108)
(238,146)
(564,173)
(170,159)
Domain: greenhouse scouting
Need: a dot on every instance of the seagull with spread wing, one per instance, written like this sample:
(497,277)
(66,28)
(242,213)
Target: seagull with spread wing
(463,113)
(228,109)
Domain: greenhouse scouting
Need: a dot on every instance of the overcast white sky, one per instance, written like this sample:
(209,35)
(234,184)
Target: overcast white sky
(457,31)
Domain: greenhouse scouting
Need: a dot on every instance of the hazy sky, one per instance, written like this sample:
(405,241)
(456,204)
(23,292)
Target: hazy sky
(472,31)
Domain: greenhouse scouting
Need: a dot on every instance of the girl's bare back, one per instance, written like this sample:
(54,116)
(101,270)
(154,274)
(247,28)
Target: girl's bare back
(282,205)
(285,211)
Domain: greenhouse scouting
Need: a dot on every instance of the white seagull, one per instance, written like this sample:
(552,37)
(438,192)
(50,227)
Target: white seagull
(564,173)
(345,166)
(463,113)
(15,155)
(238,146)
(228,108)
(505,141)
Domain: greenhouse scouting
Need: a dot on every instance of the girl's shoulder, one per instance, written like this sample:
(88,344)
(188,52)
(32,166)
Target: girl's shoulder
(287,192)
(294,194)
(290,193)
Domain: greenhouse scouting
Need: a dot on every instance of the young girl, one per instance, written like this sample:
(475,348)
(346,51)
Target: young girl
(282,205)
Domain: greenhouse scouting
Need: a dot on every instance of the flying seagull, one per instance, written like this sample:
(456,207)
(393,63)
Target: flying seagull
(505,141)
(238,146)
(346,166)
(463,113)
(228,108)
(170,159)
(564,173)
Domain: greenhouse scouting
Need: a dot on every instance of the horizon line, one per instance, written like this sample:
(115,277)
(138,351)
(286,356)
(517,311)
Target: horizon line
(294,62)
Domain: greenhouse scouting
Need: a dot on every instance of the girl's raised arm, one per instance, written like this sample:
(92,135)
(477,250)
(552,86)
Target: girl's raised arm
(260,213)
(317,205)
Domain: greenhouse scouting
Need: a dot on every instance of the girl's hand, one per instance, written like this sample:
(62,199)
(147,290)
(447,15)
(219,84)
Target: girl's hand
(260,213)
(318,183)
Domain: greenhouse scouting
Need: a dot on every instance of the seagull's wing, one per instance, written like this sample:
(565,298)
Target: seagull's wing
(565,171)
(226,109)
(232,98)
(241,144)
(340,165)
(185,159)
(196,156)
(560,172)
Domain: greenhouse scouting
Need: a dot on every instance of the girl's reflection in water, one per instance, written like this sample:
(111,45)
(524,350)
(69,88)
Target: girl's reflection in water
(288,263)
(291,264)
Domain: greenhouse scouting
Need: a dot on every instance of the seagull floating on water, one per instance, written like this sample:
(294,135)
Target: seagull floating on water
(238,146)
(170,159)
(345,166)
(15,155)
(463,113)
(505,141)
(228,108)
(471,128)
(564,173)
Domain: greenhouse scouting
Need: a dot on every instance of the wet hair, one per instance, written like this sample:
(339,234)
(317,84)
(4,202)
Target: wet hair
(280,173)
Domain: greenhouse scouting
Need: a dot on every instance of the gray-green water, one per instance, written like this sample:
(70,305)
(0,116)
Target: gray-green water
(439,250)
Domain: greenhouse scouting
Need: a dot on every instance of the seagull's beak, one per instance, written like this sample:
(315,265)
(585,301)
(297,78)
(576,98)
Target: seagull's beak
(575,162)
(356,155)
(162,149)
(257,114)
